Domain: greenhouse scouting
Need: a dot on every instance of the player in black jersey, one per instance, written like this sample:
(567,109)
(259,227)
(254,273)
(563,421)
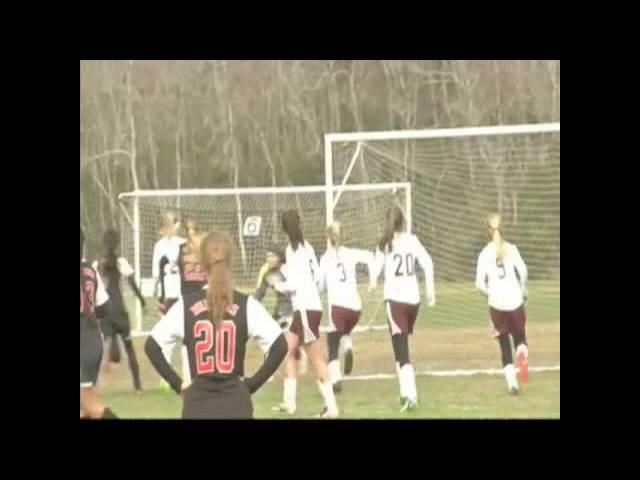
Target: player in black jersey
(92,299)
(192,275)
(214,323)
(116,322)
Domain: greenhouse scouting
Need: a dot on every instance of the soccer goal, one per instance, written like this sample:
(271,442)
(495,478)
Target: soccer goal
(252,216)
(458,176)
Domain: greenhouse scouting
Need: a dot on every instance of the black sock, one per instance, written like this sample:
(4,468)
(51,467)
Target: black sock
(333,339)
(519,338)
(114,350)
(505,348)
(400,344)
(133,363)
(108,414)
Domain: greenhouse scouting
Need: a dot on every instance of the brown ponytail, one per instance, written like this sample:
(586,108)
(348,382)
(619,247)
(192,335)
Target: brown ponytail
(291,226)
(216,253)
(393,222)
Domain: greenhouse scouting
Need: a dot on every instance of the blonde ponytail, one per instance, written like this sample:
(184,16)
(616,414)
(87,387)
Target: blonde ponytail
(493,225)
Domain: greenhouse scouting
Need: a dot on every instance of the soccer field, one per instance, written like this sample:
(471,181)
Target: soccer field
(444,340)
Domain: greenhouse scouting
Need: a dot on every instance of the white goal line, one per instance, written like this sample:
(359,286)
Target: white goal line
(448,373)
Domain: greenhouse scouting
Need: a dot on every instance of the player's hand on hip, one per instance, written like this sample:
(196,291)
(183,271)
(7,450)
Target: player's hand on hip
(185,385)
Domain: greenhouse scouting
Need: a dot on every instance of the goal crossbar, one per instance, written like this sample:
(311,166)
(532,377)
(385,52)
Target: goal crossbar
(260,190)
(443,133)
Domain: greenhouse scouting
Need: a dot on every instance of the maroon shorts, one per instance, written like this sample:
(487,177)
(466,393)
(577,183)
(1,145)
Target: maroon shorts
(401,316)
(343,319)
(306,325)
(512,322)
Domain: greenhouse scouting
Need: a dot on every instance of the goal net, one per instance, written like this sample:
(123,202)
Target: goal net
(458,177)
(253,217)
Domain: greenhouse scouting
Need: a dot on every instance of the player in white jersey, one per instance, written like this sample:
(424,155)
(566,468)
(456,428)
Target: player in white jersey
(397,252)
(338,273)
(302,276)
(501,275)
(165,270)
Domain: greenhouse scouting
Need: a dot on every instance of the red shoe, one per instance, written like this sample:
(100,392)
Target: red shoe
(524,367)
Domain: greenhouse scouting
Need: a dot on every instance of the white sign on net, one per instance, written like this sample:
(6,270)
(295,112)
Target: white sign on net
(252,226)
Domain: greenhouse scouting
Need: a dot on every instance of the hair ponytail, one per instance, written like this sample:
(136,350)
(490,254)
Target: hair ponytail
(493,224)
(291,226)
(393,222)
(216,253)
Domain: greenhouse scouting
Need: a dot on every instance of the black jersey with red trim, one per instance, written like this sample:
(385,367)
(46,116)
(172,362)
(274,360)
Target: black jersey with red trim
(92,291)
(215,352)
(192,276)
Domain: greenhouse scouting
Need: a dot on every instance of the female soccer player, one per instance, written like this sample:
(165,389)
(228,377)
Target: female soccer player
(165,270)
(502,275)
(92,299)
(398,251)
(302,275)
(338,272)
(116,322)
(214,323)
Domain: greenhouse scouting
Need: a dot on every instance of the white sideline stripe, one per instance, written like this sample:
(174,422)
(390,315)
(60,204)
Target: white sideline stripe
(448,373)
(322,329)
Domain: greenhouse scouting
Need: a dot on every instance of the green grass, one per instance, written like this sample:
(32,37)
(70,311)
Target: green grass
(482,396)
(453,335)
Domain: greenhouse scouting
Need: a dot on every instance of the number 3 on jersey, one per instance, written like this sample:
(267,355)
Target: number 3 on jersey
(225,346)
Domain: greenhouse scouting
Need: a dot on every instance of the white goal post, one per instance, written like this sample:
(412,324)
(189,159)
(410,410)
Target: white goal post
(356,206)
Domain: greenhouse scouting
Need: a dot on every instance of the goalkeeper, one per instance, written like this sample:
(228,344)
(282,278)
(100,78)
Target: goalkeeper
(271,273)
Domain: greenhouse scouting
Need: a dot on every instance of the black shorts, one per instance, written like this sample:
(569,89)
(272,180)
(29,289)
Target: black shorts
(90,353)
(218,401)
(116,323)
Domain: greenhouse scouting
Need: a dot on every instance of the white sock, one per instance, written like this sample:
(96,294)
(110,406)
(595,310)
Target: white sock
(524,349)
(334,371)
(289,396)
(408,382)
(510,376)
(326,390)
(346,342)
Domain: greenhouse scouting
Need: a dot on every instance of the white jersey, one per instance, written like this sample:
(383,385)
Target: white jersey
(338,272)
(303,272)
(400,281)
(504,284)
(102,296)
(168,247)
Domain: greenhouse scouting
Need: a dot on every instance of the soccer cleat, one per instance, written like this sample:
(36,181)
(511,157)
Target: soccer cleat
(524,367)
(513,390)
(348,361)
(284,408)
(138,391)
(325,413)
(337,387)
(409,405)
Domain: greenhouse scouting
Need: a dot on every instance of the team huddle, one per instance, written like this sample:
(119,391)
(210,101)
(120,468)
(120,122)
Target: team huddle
(211,321)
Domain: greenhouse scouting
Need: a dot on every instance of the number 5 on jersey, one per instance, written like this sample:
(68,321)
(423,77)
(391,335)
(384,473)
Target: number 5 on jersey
(225,343)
